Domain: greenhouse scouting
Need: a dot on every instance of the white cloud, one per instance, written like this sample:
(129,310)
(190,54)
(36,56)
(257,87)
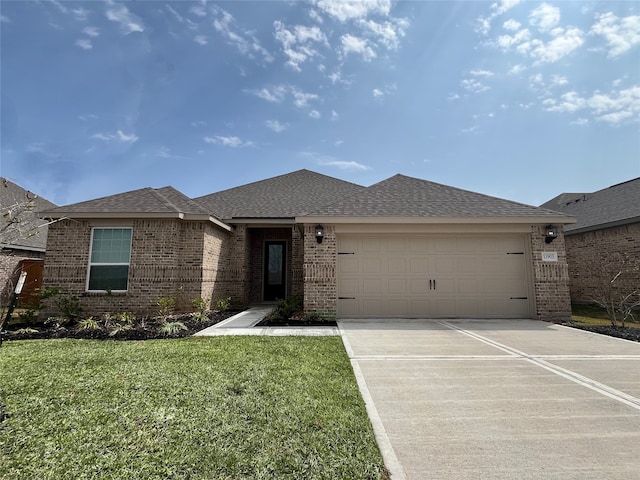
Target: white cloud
(128,22)
(91,31)
(244,41)
(377,92)
(343,165)
(545,17)
(227,141)
(564,43)
(198,10)
(175,14)
(498,8)
(87,117)
(334,115)
(276,126)
(579,121)
(119,136)
(517,69)
(473,85)
(200,39)
(621,34)
(297,43)
(357,45)
(273,95)
(315,114)
(388,32)
(80,14)
(511,25)
(612,108)
(351,10)
(559,80)
(481,73)
(84,43)
(302,99)
(507,41)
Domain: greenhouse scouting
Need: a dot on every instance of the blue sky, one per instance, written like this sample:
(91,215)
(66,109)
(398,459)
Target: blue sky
(520,100)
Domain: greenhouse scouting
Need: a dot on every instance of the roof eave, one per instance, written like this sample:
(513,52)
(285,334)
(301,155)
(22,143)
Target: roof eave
(132,215)
(530,220)
(601,226)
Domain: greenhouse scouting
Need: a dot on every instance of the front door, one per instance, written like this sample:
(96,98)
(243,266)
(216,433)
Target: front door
(275,254)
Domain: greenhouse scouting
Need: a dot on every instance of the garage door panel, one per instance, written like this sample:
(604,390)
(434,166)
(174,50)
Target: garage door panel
(397,286)
(467,276)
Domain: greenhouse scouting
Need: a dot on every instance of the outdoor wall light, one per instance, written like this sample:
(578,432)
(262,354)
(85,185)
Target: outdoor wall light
(550,233)
(319,233)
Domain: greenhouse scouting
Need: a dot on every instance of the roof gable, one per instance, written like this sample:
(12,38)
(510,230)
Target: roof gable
(166,200)
(402,196)
(616,205)
(31,233)
(284,196)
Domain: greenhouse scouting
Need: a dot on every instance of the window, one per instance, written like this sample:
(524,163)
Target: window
(109,261)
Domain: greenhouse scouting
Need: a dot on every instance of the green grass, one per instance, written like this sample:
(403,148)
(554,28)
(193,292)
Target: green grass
(214,408)
(593,315)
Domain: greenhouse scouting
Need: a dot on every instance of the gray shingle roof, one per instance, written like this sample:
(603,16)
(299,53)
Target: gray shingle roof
(615,205)
(284,196)
(143,201)
(31,232)
(402,196)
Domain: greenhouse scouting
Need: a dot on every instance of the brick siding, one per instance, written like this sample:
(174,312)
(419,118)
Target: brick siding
(596,257)
(320,282)
(168,258)
(550,279)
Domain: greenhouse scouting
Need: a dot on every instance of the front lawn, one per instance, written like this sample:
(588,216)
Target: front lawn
(214,408)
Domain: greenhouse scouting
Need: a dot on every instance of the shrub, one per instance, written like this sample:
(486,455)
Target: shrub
(170,329)
(222,304)
(202,307)
(88,324)
(166,306)
(286,308)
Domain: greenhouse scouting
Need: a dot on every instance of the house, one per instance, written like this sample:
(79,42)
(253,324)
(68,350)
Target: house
(605,239)
(23,238)
(403,247)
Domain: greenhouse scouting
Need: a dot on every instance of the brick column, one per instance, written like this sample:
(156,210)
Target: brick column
(320,289)
(550,279)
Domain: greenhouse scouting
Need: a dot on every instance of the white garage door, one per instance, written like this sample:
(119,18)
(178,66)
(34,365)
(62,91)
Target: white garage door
(433,276)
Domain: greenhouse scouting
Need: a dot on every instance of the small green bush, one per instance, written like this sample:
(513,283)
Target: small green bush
(166,306)
(286,308)
(222,304)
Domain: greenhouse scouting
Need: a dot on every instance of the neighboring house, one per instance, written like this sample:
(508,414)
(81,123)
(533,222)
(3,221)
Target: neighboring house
(23,238)
(403,247)
(604,241)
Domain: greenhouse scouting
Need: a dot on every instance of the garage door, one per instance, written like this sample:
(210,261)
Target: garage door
(433,276)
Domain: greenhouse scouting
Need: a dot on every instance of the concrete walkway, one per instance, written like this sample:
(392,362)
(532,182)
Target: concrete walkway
(244,324)
(498,399)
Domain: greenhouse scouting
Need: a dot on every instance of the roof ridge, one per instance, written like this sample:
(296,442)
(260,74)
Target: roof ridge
(164,199)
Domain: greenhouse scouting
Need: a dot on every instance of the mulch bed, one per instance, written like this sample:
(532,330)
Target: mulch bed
(149,332)
(627,333)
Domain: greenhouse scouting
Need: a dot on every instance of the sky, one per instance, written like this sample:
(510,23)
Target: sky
(519,100)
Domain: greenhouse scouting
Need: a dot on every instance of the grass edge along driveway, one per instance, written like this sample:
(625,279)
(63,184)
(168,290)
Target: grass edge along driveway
(215,408)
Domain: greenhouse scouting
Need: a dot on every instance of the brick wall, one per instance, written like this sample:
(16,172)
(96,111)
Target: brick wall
(169,257)
(232,279)
(320,282)
(596,257)
(550,279)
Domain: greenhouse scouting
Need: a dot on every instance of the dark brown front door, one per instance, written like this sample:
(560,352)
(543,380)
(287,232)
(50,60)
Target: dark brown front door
(275,268)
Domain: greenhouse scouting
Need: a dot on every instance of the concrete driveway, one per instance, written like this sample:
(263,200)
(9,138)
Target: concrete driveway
(498,399)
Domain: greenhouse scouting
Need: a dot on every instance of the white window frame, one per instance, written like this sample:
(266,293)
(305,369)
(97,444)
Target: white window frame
(98,264)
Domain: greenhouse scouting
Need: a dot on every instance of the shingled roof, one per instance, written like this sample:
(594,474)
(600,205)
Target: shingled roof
(615,205)
(284,196)
(402,196)
(31,231)
(166,202)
